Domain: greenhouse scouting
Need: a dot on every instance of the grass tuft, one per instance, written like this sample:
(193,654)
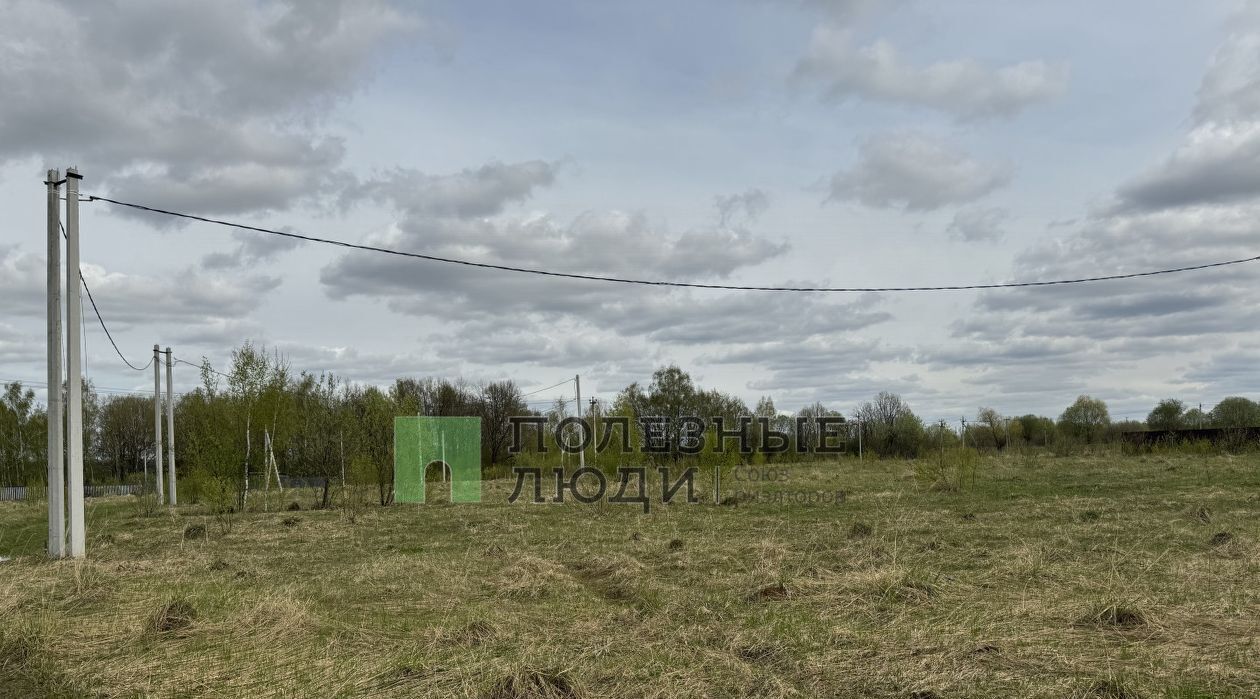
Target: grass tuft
(1114,614)
(1107,689)
(534,684)
(175,615)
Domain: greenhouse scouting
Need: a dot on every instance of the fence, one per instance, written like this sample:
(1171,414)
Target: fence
(1216,435)
(21,492)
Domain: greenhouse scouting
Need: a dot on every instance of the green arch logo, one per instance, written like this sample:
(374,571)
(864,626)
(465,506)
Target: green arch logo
(421,441)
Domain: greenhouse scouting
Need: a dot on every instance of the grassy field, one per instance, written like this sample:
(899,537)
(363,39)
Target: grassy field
(1048,577)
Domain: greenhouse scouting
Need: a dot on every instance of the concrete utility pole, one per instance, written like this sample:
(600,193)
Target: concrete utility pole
(577,389)
(74,378)
(594,430)
(157,423)
(170,430)
(56,451)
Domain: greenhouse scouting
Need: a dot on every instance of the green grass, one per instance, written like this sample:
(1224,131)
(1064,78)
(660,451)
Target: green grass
(1045,577)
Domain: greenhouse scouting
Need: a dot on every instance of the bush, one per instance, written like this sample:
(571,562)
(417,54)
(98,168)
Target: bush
(194,488)
(948,469)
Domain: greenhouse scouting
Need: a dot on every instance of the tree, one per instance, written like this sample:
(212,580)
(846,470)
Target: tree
(17,436)
(1036,429)
(672,395)
(1235,411)
(125,429)
(1168,415)
(994,426)
(891,428)
(1085,420)
(497,402)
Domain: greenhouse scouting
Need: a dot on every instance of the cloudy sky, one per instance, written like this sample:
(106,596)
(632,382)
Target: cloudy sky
(780,142)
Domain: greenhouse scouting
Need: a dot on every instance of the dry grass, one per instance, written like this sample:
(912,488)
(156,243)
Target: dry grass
(1048,577)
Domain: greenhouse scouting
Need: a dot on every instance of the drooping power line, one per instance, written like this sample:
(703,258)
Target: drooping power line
(690,285)
(104,327)
(566,381)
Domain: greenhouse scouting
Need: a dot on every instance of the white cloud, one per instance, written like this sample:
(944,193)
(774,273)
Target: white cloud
(916,172)
(964,88)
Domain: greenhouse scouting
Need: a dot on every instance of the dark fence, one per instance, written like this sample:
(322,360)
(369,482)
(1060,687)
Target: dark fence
(21,492)
(1228,436)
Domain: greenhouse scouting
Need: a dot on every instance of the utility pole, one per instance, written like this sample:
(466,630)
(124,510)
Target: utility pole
(157,423)
(577,389)
(56,452)
(594,430)
(859,423)
(74,378)
(170,429)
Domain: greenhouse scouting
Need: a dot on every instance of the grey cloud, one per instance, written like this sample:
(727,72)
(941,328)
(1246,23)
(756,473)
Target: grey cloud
(380,369)
(135,299)
(214,107)
(689,318)
(23,282)
(916,172)
(126,299)
(979,224)
(19,348)
(1231,372)
(966,89)
(251,248)
(561,345)
(1081,330)
(1218,164)
(470,193)
(828,369)
(217,332)
(611,243)
(743,207)
(1230,90)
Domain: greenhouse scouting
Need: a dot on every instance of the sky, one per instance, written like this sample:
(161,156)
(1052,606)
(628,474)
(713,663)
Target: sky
(751,142)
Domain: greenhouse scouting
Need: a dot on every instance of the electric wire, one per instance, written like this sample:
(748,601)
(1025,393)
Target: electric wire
(690,285)
(523,395)
(99,318)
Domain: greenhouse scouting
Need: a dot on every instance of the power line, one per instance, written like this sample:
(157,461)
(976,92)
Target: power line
(199,366)
(690,285)
(547,388)
(102,320)
(97,389)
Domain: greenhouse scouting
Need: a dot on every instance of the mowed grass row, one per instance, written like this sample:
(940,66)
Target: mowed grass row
(1048,577)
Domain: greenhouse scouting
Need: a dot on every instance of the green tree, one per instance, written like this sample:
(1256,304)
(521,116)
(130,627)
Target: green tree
(1169,414)
(890,427)
(1086,420)
(1235,411)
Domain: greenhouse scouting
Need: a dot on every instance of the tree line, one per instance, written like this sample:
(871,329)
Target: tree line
(231,428)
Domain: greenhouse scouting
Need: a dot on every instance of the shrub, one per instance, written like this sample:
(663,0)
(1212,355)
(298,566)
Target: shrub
(948,469)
